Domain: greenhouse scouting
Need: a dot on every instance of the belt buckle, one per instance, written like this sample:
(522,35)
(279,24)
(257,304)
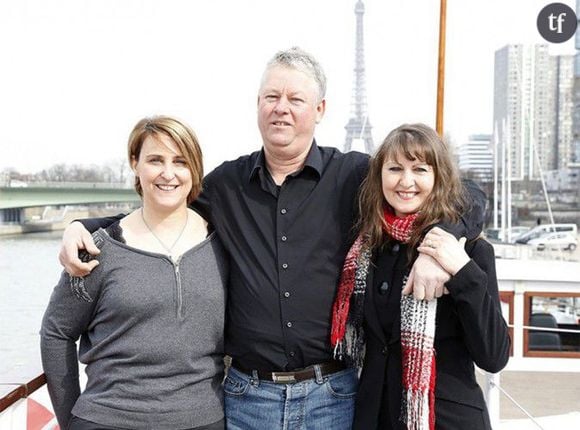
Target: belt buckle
(283,379)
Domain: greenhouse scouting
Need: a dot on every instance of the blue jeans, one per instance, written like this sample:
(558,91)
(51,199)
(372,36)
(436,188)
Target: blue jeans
(322,403)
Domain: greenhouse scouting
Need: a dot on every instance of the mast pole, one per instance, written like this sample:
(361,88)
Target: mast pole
(441,67)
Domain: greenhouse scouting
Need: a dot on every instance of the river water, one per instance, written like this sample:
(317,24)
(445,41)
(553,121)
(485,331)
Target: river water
(29,270)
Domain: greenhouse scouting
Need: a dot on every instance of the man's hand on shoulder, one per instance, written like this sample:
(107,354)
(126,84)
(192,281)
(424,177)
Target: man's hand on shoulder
(75,238)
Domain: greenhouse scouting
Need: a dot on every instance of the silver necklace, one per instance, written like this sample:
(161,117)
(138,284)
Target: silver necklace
(170,248)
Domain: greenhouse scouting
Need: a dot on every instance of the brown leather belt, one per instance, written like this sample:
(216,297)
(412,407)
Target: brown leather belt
(309,372)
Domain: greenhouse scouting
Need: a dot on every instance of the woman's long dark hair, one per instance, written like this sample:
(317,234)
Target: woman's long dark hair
(446,202)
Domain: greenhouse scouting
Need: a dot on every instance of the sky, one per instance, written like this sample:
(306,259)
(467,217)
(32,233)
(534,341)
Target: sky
(76,75)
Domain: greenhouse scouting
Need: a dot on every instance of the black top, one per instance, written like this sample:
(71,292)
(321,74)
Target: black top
(470,329)
(287,245)
(387,283)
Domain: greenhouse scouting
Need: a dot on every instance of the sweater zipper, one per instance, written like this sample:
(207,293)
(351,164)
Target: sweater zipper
(179,292)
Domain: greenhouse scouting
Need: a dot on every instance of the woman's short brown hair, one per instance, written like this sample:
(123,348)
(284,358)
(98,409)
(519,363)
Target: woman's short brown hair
(181,134)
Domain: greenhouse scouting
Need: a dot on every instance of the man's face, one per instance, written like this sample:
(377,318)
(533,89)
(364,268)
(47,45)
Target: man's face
(288,109)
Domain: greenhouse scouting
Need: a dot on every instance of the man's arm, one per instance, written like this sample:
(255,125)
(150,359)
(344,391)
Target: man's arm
(76,237)
(93,224)
(427,277)
(471,223)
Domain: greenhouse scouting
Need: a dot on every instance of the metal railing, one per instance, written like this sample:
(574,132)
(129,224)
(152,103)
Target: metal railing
(83,185)
(492,383)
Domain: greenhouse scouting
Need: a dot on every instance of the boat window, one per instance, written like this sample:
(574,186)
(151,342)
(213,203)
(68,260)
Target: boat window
(506,299)
(553,321)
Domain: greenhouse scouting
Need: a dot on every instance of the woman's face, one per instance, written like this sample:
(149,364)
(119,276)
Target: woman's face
(406,184)
(163,173)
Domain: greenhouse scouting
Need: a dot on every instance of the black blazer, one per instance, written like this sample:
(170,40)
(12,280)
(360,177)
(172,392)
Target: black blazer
(469,329)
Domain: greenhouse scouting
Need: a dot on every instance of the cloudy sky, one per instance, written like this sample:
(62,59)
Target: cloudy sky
(76,75)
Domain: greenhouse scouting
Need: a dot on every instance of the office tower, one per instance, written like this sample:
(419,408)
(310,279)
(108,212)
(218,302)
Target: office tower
(525,96)
(564,141)
(476,158)
(575,151)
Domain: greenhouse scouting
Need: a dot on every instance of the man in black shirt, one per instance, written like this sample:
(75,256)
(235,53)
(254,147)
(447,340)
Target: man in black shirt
(285,214)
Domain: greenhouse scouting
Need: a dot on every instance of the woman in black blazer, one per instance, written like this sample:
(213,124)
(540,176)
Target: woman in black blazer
(417,356)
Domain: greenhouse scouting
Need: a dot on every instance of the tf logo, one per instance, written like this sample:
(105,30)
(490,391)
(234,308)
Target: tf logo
(557,22)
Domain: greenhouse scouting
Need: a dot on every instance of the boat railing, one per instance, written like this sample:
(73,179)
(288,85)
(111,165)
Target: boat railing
(11,392)
(540,328)
(24,402)
(491,388)
(527,287)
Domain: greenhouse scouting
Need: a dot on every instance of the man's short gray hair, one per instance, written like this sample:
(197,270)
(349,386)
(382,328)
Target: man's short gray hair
(299,59)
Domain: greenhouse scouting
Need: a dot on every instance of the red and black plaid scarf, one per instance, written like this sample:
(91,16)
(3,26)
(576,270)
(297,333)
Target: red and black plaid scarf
(399,228)
(417,327)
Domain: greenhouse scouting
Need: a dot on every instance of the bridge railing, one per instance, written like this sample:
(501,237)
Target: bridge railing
(84,185)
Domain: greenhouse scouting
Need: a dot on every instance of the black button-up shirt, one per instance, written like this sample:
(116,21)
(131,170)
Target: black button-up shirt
(287,244)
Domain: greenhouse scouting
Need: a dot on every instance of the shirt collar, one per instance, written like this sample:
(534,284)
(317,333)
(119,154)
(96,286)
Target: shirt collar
(313,161)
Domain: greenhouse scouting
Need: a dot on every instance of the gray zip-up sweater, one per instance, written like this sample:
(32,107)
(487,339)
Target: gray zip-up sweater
(151,337)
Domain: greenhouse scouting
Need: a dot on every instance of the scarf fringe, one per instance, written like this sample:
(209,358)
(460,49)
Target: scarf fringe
(417,337)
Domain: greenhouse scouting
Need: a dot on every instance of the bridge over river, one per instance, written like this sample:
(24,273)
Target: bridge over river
(14,200)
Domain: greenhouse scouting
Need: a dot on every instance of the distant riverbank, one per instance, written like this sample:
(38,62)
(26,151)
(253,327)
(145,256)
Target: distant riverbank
(31,227)
(59,223)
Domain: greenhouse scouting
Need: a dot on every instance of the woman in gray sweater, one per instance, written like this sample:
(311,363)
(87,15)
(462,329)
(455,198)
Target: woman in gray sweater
(150,316)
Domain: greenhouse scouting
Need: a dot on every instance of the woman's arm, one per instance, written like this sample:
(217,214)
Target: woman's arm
(475,293)
(67,316)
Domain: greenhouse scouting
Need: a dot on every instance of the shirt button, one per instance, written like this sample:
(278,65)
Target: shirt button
(286,294)
(283,211)
(289,324)
(292,354)
(284,266)
(284,238)
(385,350)
(384,288)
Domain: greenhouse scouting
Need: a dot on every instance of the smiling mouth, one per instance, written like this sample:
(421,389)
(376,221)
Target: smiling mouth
(406,195)
(166,187)
(280,123)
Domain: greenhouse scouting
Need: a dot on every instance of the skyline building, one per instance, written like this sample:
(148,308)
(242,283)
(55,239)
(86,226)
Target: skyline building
(564,111)
(524,107)
(476,157)
(359,126)
(575,152)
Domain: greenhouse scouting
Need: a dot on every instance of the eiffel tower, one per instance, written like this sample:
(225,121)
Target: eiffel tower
(359,126)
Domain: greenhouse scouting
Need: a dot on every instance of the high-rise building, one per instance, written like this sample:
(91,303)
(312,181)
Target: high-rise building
(475,158)
(526,94)
(575,151)
(564,111)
